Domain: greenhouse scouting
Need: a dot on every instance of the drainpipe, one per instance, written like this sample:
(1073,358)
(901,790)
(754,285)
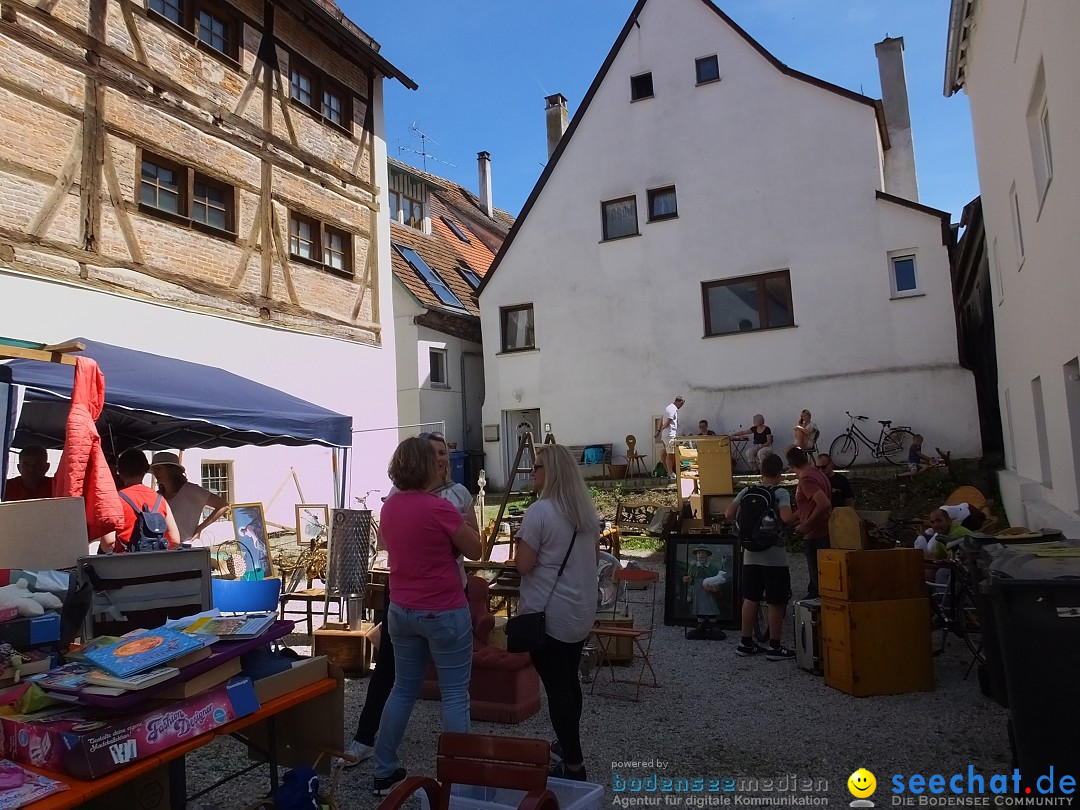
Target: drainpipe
(464,411)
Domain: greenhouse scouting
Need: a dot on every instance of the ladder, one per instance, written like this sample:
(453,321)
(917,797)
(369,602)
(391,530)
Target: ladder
(526,442)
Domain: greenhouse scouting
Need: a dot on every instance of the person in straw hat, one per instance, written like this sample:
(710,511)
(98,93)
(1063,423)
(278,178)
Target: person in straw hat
(186,500)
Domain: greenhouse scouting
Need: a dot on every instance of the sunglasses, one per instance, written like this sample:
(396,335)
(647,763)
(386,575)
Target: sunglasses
(434,435)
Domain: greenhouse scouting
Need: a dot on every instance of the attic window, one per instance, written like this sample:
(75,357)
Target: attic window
(469,275)
(433,279)
(460,234)
(708,69)
(641,87)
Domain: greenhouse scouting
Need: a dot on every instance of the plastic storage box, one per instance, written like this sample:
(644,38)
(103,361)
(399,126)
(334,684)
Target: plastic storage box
(571,795)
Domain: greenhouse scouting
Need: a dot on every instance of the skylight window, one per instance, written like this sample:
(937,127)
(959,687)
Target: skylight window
(460,234)
(434,281)
(469,275)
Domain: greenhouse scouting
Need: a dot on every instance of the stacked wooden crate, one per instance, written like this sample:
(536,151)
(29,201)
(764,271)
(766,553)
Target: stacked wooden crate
(875,617)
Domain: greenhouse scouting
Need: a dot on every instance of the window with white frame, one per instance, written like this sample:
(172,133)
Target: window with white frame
(903,274)
(407,200)
(1038,122)
(437,368)
(315,242)
(620,218)
(217,476)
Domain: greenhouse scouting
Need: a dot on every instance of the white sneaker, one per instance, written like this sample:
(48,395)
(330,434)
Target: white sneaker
(358,751)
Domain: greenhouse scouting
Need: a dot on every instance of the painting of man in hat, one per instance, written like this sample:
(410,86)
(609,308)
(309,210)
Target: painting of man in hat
(703,578)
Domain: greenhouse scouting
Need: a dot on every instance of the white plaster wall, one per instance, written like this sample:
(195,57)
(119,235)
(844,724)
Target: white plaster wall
(771,173)
(1038,331)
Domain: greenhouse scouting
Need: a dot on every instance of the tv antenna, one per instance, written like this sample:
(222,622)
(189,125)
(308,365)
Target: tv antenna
(425,139)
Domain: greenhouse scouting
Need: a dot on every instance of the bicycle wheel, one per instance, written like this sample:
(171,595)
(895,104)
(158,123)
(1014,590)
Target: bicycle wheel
(968,626)
(844,449)
(895,444)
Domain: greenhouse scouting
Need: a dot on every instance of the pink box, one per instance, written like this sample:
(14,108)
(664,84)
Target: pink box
(88,743)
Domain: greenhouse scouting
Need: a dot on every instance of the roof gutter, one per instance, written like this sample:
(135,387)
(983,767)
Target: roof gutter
(959,12)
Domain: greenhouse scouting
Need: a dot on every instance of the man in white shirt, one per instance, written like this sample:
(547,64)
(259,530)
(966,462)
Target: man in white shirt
(669,429)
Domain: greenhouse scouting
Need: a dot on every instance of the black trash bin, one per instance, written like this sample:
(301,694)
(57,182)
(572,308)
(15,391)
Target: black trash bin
(1037,624)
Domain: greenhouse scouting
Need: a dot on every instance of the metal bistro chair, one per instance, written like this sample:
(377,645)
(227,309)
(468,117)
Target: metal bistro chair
(640,637)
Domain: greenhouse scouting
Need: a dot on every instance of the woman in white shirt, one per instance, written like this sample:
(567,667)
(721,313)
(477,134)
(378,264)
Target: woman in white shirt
(186,500)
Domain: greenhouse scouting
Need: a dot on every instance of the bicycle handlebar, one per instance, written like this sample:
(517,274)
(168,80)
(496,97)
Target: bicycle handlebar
(851,416)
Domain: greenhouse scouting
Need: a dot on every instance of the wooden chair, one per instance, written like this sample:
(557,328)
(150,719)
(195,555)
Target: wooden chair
(514,763)
(632,456)
(640,636)
(973,497)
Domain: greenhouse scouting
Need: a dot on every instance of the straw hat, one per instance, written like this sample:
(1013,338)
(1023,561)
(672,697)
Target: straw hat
(702,548)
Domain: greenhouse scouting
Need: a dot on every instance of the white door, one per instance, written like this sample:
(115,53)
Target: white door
(518,423)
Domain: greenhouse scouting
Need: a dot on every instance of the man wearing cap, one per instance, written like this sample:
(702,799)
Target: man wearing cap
(702,579)
(668,430)
(186,500)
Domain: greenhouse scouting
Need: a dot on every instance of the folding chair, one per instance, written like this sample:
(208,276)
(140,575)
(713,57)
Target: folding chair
(640,635)
(508,763)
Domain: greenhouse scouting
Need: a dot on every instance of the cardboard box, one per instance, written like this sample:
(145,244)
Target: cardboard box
(847,529)
(28,632)
(88,743)
(308,730)
(43,533)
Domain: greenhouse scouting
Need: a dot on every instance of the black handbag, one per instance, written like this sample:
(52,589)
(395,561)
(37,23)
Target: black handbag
(528,631)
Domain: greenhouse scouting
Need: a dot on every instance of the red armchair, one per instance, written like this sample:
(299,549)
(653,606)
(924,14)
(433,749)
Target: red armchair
(508,682)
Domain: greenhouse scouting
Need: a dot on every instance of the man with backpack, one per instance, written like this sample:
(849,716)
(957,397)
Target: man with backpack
(761,513)
(148,523)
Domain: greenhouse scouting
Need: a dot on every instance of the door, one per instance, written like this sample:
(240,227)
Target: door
(518,423)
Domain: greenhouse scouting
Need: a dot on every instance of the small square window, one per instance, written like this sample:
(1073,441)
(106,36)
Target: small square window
(708,69)
(518,333)
(905,281)
(169,9)
(335,243)
(213,31)
(160,187)
(437,368)
(300,87)
(662,204)
(212,204)
(332,107)
(620,218)
(641,87)
(301,238)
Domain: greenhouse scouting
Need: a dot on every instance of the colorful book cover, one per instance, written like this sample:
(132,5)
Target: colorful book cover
(31,787)
(146,650)
(236,627)
(67,678)
(133,682)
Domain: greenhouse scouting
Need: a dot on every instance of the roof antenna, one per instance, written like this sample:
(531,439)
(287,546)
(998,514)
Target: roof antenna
(422,151)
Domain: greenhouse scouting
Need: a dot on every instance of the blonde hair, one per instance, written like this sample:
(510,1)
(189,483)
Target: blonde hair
(564,485)
(412,465)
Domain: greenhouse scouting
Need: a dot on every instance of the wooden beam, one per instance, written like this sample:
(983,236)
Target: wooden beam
(249,248)
(283,255)
(284,102)
(116,197)
(19,353)
(249,88)
(267,182)
(40,223)
(133,32)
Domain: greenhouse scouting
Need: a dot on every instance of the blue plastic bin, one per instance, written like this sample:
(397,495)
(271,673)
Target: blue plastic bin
(457,466)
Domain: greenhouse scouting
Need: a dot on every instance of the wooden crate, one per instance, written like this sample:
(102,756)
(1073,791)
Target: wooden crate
(871,575)
(877,648)
(620,650)
(348,649)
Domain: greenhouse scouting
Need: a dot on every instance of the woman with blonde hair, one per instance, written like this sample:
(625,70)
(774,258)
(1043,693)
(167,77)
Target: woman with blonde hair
(806,432)
(557,553)
(428,613)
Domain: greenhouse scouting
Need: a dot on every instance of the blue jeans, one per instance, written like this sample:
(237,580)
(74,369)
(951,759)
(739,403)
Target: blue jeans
(444,635)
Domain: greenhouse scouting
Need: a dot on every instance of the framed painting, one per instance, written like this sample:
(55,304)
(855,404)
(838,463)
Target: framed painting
(702,580)
(250,526)
(312,523)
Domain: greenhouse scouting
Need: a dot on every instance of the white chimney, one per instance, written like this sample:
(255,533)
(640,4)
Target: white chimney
(557,119)
(483,160)
(900,180)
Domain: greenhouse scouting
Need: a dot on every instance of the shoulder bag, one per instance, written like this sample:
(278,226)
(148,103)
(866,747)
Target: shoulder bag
(527,631)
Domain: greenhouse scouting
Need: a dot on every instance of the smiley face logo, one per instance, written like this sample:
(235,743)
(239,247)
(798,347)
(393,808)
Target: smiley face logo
(862,783)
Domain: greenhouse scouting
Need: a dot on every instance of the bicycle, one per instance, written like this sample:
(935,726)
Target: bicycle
(954,608)
(892,443)
(896,532)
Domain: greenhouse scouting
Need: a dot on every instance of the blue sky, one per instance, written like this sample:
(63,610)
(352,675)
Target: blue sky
(484,67)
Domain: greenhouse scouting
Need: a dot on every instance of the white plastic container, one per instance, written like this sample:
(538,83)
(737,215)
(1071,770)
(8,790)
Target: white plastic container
(571,795)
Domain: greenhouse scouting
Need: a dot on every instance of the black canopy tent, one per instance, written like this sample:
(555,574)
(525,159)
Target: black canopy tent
(161,403)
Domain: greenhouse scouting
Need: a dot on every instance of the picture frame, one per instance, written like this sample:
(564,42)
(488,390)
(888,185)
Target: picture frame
(685,600)
(312,523)
(249,523)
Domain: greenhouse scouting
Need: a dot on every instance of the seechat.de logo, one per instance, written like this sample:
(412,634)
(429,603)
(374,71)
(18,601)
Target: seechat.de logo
(862,785)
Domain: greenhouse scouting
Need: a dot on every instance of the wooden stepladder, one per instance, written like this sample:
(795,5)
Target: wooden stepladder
(516,469)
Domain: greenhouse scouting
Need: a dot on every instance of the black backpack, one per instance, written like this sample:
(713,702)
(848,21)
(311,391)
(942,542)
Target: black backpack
(148,533)
(759,525)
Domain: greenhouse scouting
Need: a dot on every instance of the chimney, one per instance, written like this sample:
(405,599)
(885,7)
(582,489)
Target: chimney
(557,119)
(483,161)
(900,178)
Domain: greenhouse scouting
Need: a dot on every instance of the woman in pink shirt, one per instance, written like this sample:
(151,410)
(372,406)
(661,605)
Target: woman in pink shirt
(428,614)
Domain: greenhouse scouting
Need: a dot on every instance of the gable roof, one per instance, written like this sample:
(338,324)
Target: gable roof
(442,250)
(599,80)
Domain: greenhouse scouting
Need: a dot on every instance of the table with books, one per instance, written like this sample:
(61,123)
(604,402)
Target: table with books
(130,706)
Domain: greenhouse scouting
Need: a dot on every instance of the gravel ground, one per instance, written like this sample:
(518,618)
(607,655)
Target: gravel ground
(715,715)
